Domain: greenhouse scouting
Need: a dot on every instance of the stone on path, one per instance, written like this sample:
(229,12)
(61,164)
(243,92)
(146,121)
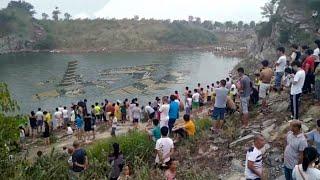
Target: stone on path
(307,120)
(268,122)
(243,139)
(236,176)
(304,128)
(280,107)
(281,178)
(284,127)
(314,111)
(266,132)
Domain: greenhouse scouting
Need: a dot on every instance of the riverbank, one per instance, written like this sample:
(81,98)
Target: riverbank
(227,51)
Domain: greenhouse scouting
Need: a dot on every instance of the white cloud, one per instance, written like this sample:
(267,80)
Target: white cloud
(221,10)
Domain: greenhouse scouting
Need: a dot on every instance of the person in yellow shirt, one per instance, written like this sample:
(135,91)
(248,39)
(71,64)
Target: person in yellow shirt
(184,130)
(117,111)
(47,117)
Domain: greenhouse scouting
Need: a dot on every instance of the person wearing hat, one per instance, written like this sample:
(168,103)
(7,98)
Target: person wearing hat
(314,136)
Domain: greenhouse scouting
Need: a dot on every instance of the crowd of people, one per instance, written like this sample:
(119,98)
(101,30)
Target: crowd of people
(297,74)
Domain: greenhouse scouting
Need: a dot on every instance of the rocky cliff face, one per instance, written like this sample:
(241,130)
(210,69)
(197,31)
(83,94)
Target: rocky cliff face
(292,23)
(18,42)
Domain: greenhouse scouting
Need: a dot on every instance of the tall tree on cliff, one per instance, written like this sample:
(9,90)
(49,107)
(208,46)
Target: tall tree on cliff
(269,9)
(240,25)
(55,14)
(252,24)
(44,16)
(67,16)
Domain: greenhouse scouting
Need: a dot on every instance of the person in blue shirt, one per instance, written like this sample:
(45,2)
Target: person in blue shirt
(314,136)
(173,111)
(80,126)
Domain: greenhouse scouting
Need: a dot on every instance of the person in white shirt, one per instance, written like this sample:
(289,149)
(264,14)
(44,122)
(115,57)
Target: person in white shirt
(40,118)
(114,124)
(56,122)
(136,115)
(296,88)
(316,53)
(69,131)
(188,104)
(195,99)
(65,115)
(164,112)
(254,169)
(164,147)
(306,170)
(280,67)
(150,111)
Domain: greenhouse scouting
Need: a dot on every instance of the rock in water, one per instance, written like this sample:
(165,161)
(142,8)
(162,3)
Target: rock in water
(243,139)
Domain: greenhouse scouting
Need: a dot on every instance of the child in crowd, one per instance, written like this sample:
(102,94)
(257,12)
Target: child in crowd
(171,172)
(70,152)
(114,124)
(154,132)
(69,130)
(22,137)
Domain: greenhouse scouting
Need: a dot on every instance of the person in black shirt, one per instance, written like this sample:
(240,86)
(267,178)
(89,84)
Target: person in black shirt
(87,126)
(79,158)
(33,124)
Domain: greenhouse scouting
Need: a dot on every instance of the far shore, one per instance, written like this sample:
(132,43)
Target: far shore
(216,49)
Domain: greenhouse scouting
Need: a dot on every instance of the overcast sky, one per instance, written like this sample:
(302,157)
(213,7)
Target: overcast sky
(216,10)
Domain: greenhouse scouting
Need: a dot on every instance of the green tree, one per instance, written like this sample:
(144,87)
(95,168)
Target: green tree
(22,5)
(228,24)
(252,24)
(55,14)
(269,9)
(246,26)
(136,17)
(240,25)
(198,20)
(67,16)
(44,16)
(190,18)
(217,24)
(207,24)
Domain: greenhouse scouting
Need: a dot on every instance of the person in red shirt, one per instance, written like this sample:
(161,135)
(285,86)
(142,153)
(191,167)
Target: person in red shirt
(308,67)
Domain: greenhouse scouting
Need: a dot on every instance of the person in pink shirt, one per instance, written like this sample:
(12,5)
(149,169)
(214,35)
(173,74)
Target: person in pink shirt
(171,172)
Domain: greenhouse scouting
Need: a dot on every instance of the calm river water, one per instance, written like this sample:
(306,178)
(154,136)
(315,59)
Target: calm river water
(28,74)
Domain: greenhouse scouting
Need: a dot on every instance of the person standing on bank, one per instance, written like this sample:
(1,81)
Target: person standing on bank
(244,90)
(280,67)
(293,154)
(266,74)
(296,88)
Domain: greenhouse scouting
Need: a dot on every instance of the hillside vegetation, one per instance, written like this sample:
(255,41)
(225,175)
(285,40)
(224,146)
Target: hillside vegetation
(122,34)
(21,31)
